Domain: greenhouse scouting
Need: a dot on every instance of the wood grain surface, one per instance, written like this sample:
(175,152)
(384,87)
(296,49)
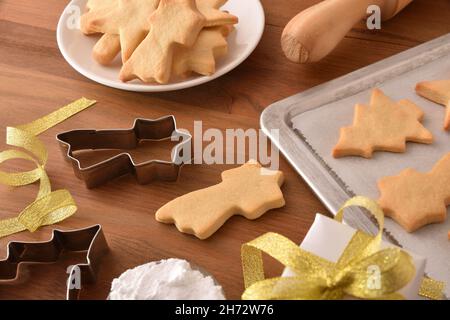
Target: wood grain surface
(35,79)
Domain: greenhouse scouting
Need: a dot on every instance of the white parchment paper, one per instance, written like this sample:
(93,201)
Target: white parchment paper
(321,128)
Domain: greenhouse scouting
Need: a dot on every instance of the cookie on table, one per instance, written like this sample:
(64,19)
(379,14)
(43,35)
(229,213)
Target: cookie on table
(384,125)
(249,190)
(415,199)
(439,92)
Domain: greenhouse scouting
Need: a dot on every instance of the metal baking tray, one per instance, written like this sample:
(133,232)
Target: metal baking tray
(308,127)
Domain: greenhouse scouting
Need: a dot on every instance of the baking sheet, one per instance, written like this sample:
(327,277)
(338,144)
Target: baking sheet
(321,126)
(309,126)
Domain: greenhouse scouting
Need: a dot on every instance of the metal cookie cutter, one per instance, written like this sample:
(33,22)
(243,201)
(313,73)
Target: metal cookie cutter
(143,129)
(91,240)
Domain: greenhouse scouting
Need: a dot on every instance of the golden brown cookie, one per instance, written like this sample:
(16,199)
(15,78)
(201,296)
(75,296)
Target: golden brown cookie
(175,22)
(249,190)
(106,49)
(214,16)
(210,45)
(127,18)
(109,45)
(415,199)
(439,92)
(101,4)
(382,126)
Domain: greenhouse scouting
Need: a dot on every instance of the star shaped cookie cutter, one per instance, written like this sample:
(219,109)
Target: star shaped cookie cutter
(126,139)
(91,240)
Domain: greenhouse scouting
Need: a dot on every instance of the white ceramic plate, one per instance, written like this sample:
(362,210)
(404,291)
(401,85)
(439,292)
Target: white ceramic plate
(77,48)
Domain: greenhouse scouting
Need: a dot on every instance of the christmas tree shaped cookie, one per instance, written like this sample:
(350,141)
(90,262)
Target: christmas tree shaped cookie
(249,190)
(382,126)
(439,92)
(415,199)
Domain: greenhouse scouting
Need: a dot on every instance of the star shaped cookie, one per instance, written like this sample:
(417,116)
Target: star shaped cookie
(126,18)
(210,45)
(415,199)
(249,191)
(439,92)
(108,46)
(175,22)
(214,16)
(382,126)
(101,14)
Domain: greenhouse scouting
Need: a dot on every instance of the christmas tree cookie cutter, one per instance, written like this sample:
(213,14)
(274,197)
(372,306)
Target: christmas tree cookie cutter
(91,240)
(126,139)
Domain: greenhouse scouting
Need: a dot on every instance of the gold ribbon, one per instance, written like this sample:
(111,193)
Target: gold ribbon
(432,289)
(48,207)
(317,278)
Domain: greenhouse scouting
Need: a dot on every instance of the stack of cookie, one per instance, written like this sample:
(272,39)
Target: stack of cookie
(159,40)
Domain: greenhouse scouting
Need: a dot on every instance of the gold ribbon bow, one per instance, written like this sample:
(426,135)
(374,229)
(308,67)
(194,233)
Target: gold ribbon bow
(317,278)
(49,207)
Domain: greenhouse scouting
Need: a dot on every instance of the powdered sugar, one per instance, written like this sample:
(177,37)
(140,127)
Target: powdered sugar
(171,279)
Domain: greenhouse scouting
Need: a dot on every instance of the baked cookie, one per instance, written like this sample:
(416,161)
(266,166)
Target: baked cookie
(126,18)
(382,126)
(415,199)
(249,190)
(210,45)
(175,22)
(213,15)
(106,49)
(439,92)
(108,46)
(102,13)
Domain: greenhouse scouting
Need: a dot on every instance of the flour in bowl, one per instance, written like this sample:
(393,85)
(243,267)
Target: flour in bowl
(171,279)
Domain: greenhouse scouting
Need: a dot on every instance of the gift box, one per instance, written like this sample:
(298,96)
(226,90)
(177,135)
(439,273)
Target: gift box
(327,238)
(336,261)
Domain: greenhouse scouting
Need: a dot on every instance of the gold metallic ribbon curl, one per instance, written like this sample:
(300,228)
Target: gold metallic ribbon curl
(49,207)
(317,278)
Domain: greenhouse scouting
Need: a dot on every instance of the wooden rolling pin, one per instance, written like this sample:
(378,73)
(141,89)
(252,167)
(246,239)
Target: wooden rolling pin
(316,31)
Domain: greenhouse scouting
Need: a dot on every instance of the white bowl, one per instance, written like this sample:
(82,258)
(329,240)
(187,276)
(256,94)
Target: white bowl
(77,47)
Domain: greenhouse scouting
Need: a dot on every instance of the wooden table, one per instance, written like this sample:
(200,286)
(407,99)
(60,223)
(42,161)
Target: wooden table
(35,79)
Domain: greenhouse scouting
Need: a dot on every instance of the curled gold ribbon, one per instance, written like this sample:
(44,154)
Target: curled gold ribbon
(48,207)
(318,278)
